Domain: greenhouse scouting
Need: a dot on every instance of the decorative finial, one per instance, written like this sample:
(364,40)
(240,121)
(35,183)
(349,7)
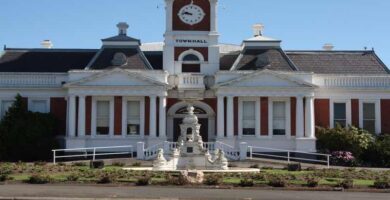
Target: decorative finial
(122,28)
(258,29)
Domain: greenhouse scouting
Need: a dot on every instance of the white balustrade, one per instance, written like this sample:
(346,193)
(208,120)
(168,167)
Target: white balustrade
(191,81)
(354,81)
(32,79)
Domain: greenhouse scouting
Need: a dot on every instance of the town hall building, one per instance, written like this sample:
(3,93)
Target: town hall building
(127,91)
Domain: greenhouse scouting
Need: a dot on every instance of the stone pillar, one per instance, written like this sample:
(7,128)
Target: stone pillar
(257,118)
(168,12)
(230,117)
(300,131)
(81,116)
(310,131)
(243,150)
(72,116)
(140,150)
(213,15)
(221,118)
(152,117)
(162,117)
(112,117)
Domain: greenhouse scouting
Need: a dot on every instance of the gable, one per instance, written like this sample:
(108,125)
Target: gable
(266,78)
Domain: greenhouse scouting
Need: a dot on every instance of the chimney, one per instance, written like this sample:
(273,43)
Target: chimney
(47,44)
(258,29)
(122,28)
(328,47)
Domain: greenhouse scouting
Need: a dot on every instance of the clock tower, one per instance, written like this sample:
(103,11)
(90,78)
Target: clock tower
(191,37)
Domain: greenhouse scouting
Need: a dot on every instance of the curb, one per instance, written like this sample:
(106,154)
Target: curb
(67,198)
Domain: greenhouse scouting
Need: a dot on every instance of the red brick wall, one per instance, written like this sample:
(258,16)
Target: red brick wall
(264,116)
(117,115)
(321,112)
(58,110)
(385,115)
(293,115)
(88,112)
(355,112)
(202,26)
(147,114)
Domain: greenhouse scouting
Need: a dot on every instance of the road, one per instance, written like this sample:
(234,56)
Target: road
(153,192)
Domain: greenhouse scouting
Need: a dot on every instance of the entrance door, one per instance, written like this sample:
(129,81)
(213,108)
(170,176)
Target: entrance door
(203,128)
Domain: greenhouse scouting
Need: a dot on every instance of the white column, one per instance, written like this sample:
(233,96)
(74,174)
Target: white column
(162,117)
(310,131)
(299,118)
(72,116)
(213,15)
(230,117)
(93,117)
(221,118)
(81,116)
(168,14)
(152,117)
(112,117)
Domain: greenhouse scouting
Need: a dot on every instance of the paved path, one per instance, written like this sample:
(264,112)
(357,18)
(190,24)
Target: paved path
(69,191)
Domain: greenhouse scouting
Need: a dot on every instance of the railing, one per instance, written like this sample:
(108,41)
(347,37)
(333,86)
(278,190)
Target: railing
(191,81)
(230,152)
(91,151)
(288,155)
(151,152)
(32,79)
(355,81)
(210,146)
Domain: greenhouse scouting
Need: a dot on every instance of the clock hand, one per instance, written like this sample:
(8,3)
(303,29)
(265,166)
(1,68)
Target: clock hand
(187,13)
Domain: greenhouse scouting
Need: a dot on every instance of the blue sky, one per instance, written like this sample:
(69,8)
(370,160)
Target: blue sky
(301,24)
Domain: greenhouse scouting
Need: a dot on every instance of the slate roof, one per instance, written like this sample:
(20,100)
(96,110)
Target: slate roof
(45,60)
(226,60)
(135,58)
(268,58)
(338,62)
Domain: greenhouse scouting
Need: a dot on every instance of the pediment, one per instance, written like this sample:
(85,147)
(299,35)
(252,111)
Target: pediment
(117,77)
(267,79)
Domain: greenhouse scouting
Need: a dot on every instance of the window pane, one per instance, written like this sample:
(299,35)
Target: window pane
(248,118)
(5,105)
(279,118)
(133,117)
(103,117)
(369,111)
(339,111)
(38,106)
(342,123)
(369,125)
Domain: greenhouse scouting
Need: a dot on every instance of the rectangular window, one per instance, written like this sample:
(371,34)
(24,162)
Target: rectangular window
(279,118)
(102,117)
(5,105)
(38,106)
(133,117)
(369,117)
(190,68)
(248,118)
(340,116)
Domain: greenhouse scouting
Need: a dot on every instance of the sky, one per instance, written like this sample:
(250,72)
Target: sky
(300,24)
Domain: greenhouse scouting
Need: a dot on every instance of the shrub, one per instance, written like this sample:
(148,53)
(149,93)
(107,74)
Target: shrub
(294,167)
(346,183)
(246,182)
(79,164)
(378,153)
(72,177)
(343,158)
(3,177)
(349,139)
(118,164)
(176,179)
(136,164)
(382,184)
(142,181)
(25,135)
(96,164)
(277,182)
(213,179)
(106,178)
(312,181)
(39,179)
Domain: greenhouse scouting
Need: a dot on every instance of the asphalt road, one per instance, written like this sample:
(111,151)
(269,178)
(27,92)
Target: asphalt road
(152,192)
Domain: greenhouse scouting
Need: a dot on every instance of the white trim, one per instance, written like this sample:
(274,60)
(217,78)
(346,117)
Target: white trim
(377,102)
(94,113)
(288,116)
(46,99)
(348,111)
(191,51)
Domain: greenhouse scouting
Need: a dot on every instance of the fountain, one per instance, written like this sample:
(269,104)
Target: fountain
(190,153)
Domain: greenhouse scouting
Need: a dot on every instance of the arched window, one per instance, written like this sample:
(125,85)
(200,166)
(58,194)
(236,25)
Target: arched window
(191,58)
(191,61)
(197,111)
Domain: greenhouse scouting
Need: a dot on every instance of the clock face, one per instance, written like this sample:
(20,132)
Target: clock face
(191,14)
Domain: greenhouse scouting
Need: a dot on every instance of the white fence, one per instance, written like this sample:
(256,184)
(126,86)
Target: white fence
(93,152)
(288,155)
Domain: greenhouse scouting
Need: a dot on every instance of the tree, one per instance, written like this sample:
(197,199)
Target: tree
(26,136)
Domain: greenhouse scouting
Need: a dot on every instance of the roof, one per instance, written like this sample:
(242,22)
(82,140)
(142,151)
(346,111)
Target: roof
(121,38)
(338,62)
(45,60)
(129,58)
(226,60)
(267,58)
